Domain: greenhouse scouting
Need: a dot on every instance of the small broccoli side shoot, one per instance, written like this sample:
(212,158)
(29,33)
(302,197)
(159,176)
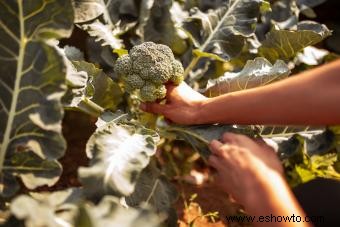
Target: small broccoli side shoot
(147,68)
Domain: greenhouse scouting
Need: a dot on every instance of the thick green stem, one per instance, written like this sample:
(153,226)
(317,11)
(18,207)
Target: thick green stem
(191,66)
(90,107)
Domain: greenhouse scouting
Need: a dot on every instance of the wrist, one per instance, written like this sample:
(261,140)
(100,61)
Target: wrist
(264,187)
(200,111)
(274,195)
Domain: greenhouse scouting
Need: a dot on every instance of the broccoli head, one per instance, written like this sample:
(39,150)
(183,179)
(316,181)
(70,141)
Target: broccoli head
(147,68)
(151,92)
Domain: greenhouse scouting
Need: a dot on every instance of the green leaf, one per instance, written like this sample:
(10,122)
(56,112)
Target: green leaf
(307,5)
(157,24)
(199,136)
(32,169)
(284,14)
(223,31)
(292,150)
(69,208)
(73,54)
(90,89)
(154,189)
(284,44)
(257,72)
(47,209)
(32,77)
(87,10)
(308,156)
(107,34)
(112,11)
(76,82)
(110,213)
(100,89)
(118,152)
(202,54)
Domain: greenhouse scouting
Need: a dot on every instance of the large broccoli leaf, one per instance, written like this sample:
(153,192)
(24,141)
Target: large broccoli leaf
(223,30)
(154,189)
(101,89)
(284,44)
(32,84)
(118,152)
(110,213)
(90,89)
(157,24)
(113,26)
(111,10)
(55,209)
(107,34)
(70,208)
(199,136)
(257,72)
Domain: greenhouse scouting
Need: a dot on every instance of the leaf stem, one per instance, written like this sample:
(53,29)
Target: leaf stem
(206,43)
(18,75)
(191,66)
(177,129)
(90,107)
(152,191)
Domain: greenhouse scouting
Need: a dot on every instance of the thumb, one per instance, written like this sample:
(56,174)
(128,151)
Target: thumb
(156,108)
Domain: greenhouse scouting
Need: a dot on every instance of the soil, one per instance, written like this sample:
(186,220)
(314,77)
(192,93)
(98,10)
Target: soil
(209,199)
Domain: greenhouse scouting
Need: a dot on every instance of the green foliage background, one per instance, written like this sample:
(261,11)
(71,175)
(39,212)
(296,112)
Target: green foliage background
(225,46)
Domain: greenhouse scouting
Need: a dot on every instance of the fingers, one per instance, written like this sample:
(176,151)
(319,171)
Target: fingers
(215,146)
(236,139)
(155,108)
(214,161)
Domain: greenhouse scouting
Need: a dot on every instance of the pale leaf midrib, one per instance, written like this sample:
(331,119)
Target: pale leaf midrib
(220,23)
(11,113)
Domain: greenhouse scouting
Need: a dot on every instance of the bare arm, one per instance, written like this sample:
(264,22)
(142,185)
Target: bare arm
(251,172)
(312,97)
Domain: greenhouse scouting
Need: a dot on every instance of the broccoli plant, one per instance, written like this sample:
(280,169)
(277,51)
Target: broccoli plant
(147,68)
(215,46)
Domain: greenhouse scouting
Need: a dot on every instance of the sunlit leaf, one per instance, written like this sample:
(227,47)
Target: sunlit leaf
(110,213)
(56,209)
(258,72)
(223,30)
(32,76)
(284,44)
(118,152)
(108,35)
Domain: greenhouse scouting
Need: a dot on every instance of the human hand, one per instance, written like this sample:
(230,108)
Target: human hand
(244,166)
(182,105)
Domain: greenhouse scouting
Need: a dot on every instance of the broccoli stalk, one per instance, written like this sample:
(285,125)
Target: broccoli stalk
(147,68)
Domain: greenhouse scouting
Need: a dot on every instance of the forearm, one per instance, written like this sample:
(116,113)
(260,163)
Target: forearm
(275,199)
(313,97)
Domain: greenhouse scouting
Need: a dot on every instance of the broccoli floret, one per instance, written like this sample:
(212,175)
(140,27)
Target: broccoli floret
(123,65)
(133,81)
(151,92)
(178,71)
(154,64)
